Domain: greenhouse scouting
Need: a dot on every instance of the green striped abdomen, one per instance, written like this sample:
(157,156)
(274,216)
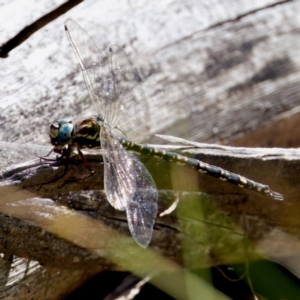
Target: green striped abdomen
(204,168)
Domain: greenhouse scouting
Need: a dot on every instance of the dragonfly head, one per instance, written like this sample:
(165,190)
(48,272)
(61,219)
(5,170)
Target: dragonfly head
(61,133)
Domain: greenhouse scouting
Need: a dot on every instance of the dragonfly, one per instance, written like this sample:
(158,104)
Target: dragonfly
(115,89)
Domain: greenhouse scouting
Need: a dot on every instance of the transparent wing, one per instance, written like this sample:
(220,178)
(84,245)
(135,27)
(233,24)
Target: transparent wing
(113,84)
(130,111)
(129,186)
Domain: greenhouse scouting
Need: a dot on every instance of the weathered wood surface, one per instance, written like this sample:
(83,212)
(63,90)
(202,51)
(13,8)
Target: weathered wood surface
(211,73)
(207,227)
(224,73)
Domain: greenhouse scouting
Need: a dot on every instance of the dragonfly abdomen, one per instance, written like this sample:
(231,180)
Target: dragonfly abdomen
(204,168)
(234,178)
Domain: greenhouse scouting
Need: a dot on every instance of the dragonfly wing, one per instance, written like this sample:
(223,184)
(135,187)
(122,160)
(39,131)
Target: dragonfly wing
(119,183)
(130,111)
(93,63)
(113,83)
(142,207)
(129,186)
(115,89)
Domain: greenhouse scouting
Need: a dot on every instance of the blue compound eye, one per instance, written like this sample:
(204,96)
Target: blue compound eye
(61,132)
(65,133)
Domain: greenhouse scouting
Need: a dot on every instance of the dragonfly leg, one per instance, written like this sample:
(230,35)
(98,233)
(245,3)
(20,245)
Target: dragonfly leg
(58,161)
(87,164)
